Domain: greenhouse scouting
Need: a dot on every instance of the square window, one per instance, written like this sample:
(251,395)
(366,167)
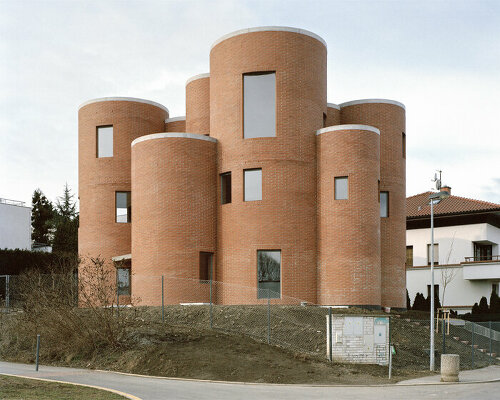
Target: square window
(206,265)
(225,187)
(384,204)
(253,184)
(436,254)
(104,141)
(259,105)
(123,212)
(123,281)
(341,188)
(269,274)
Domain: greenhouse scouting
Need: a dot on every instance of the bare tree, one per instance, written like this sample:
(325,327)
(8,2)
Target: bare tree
(448,272)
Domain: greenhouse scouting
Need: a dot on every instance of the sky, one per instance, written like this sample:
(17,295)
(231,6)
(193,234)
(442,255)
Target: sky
(440,58)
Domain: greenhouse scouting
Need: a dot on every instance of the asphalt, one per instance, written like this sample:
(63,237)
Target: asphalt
(150,388)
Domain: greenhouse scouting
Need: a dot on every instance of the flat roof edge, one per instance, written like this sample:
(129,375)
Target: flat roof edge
(167,135)
(131,99)
(348,127)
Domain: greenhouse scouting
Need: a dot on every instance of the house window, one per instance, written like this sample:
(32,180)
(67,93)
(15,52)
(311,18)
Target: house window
(341,188)
(436,291)
(403,137)
(409,256)
(482,252)
(123,207)
(384,204)
(269,274)
(436,254)
(123,281)
(253,184)
(206,265)
(225,187)
(104,141)
(259,105)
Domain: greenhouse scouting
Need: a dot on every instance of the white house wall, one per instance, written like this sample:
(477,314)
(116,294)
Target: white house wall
(15,227)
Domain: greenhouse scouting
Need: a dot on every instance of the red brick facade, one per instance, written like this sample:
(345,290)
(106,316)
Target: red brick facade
(333,252)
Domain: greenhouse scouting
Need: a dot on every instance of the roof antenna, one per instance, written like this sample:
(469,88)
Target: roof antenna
(437,180)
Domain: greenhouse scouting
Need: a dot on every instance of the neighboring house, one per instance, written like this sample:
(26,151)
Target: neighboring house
(15,225)
(263,185)
(466,252)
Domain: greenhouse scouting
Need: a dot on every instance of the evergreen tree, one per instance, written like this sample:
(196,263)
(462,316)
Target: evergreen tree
(494,303)
(65,205)
(408,301)
(41,217)
(66,223)
(419,303)
(483,306)
(475,309)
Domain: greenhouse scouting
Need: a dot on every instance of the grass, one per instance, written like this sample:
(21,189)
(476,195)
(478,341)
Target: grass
(13,388)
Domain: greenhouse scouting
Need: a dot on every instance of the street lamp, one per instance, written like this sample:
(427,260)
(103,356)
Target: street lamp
(433,197)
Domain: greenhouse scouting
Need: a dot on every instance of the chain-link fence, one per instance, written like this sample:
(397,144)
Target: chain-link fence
(274,318)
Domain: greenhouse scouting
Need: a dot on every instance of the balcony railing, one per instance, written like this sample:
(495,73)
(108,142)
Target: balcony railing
(482,259)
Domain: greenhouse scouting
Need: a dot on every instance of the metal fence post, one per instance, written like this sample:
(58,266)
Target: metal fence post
(472,346)
(162,300)
(444,337)
(330,334)
(491,348)
(211,310)
(268,316)
(37,351)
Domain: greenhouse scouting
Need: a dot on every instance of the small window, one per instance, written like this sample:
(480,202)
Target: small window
(324,120)
(409,256)
(436,254)
(259,105)
(123,207)
(123,281)
(403,137)
(341,188)
(494,288)
(206,265)
(269,274)
(104,141)
(436,291)
(482,252)
(225,187)
(253,184)
(384,204)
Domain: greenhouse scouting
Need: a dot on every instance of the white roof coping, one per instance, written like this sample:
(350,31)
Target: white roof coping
(375,101)
(183,118)
(196,77)
(132,99)
(122,258)
(348,127)
(266,29)
(332,105)
(167,135)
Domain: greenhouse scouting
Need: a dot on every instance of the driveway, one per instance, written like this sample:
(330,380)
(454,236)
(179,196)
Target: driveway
(148,388)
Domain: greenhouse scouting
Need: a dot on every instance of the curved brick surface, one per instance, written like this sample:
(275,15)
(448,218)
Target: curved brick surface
(285,219)
(198,106)
(175,126)
(348,230)
(174,217)
(332,116)
(390,119)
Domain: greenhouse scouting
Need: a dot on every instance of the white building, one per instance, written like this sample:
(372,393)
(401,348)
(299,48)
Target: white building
(466,237)
(15,225)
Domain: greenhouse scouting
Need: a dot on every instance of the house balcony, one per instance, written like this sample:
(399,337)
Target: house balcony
(481,268)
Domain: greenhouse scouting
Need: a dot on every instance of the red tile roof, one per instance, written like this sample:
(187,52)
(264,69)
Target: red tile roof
(418,206)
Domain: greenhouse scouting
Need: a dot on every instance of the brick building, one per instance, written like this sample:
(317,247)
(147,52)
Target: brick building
(263,184)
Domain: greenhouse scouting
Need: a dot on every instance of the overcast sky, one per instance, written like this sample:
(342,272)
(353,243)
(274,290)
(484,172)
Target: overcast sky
(440,58)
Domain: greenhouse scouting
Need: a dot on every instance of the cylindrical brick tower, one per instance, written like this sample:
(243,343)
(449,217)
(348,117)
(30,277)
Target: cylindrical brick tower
(389,117)
(174,216)
(106,128)
(348,215)
(176,124)
(285,217)
(332,115)
(198,104)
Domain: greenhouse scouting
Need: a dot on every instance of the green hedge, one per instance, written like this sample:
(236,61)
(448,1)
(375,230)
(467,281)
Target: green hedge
(15,262)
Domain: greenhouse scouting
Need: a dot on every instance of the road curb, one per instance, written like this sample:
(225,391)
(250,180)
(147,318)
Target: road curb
(127,395)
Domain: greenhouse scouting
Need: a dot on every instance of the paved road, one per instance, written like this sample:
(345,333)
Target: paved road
(160,389)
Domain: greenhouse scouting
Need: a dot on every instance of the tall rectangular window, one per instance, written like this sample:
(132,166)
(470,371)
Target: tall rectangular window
(206,266)
(436,254)
(269,274)
(436,291)
(123,207)
(403,137)
(123,281)
(409,256)
(253,184)
(104,141)
(225,187)
(259,105)
(384,204)
(341,188)
(482,252)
